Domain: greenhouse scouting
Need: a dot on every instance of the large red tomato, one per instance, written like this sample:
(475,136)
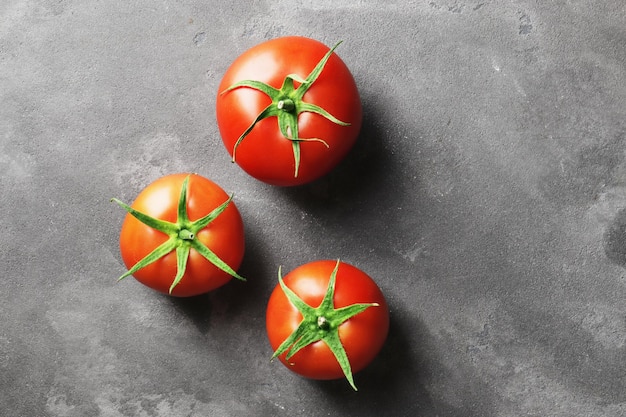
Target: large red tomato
(326,320)
(182,236)
(288,110)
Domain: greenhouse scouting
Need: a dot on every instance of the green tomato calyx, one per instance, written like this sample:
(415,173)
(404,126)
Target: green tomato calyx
(320,323)
(287,104)
(182,237)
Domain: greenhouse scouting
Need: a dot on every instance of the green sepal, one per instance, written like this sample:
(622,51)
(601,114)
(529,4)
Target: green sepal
(302,307)
(295,145)
(182,255)
(158,224)
(269,111)
(203,222)
(181,237)
(310,330)
(310,79)
(334,343)
(288,117)
(159,252)
(290,341)
(312,108)
(214,259)
(257,85)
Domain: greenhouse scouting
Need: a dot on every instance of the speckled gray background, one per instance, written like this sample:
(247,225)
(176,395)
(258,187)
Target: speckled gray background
(486,195)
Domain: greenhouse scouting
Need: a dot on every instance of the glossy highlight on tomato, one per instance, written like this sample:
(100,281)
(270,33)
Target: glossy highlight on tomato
(182,236)
(310,320)
(285,115)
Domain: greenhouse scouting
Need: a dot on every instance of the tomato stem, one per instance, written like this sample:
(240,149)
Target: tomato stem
(186,234)
(322,323)
(286,105)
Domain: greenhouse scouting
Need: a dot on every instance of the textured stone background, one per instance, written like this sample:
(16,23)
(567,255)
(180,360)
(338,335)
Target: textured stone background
(486,195)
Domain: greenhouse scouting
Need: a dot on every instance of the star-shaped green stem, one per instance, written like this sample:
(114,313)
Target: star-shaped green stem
(321,323)
(182,237)
(286,105)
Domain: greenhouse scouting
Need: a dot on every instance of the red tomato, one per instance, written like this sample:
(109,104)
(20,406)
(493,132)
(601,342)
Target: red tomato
(361,335)
(266,152)
(223,236)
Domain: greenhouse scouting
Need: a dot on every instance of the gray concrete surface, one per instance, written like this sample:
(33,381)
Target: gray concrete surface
(486,195)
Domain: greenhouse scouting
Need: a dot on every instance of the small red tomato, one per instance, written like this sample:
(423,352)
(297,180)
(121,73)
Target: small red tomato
(182,236)
(326,320)
(288,110)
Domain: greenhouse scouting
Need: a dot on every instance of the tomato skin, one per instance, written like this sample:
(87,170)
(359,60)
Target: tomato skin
(265,153)
(362,335)
(224,235)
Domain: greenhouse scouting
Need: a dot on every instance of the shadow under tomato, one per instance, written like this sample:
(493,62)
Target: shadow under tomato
(361,171)
(251,296)
(381,382)
(236,297)
(197,308)
(404,378)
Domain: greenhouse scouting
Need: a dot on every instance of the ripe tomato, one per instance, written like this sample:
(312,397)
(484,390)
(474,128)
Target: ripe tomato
(288,110)
(327,319)
(182,236)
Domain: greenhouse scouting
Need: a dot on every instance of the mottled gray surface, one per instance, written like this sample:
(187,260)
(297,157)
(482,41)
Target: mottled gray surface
(486,195)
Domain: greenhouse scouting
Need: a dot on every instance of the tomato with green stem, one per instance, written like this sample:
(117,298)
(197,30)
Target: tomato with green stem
(288,110)
(182,236)
(327,320)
